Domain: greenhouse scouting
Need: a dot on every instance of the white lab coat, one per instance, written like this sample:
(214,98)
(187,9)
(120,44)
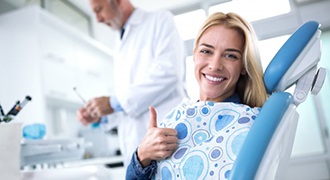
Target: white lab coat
(149,70)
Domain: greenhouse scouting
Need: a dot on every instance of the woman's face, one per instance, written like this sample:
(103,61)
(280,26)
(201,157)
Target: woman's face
(218,62)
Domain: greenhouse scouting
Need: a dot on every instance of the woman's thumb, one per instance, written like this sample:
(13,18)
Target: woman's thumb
(153,117)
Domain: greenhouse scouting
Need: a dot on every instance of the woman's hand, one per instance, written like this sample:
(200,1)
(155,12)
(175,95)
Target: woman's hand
(158,143)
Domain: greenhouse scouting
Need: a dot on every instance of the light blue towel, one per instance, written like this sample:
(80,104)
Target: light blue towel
(210,135)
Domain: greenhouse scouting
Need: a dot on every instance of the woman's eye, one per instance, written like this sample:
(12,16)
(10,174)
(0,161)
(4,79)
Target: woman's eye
(204,51)
(231,56)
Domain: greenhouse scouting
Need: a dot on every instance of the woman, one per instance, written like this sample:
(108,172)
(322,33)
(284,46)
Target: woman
(190,143)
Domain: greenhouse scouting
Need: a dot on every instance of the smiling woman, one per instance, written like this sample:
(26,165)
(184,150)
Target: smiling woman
(200,140)
(218,63)
(233,41)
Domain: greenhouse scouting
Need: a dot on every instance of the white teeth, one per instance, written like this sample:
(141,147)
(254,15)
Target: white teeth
(213,78)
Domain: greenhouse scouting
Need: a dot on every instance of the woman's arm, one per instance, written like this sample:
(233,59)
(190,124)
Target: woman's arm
(158,144)
(136,171)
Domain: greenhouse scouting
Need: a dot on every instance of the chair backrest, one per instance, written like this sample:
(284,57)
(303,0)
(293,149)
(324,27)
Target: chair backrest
(266,152)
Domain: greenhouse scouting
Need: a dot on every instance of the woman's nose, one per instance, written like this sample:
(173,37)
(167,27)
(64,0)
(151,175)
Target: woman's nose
(215,64)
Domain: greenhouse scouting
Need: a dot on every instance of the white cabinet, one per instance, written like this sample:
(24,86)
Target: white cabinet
(43,57)
(72,59)
(58,79)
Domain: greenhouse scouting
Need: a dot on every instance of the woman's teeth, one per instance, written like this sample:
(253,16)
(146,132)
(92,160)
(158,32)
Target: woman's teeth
(217,79)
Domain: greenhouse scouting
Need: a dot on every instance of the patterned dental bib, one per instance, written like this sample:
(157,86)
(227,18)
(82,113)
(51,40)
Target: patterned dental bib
(210,136)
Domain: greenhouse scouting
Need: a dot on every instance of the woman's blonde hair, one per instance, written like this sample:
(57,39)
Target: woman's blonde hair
(250,87)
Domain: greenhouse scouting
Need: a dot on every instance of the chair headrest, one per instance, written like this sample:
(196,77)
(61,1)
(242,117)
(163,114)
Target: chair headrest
(287,54)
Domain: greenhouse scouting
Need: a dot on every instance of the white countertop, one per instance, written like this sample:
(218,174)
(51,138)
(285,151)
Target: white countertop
(95,161)
(79,170)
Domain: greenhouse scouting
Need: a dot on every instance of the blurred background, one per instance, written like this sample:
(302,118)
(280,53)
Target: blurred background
(48,47)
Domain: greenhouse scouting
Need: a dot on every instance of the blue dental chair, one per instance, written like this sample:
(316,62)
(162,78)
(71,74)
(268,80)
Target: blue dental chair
(266,152)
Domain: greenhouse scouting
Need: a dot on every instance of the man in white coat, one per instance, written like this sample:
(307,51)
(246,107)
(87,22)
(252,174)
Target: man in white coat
(149,70)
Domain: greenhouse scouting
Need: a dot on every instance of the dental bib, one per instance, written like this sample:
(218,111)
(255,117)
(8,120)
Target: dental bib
(210,136)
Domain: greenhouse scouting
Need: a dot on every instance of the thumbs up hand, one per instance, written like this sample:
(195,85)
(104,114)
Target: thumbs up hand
(158,143)
(153,117)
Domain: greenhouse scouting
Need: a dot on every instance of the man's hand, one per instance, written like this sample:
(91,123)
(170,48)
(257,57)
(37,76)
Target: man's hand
(84,117)
(158,143)
(99,107)
(94,109)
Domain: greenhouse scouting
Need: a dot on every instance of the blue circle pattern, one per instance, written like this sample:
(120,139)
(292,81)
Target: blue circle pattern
(210,136)
(193,162)
(166,173)
(182,130)
(199,136)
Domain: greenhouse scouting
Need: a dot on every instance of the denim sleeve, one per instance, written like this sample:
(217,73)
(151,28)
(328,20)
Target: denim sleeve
(136,171)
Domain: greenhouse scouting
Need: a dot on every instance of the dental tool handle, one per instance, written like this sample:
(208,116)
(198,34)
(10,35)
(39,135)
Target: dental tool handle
(16,109)
(79,95)
(1,111)
(2,114)
(25,101)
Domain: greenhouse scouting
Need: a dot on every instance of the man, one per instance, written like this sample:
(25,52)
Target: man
(149,70)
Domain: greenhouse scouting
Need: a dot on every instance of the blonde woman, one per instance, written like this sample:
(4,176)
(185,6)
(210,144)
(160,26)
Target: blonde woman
(200,139)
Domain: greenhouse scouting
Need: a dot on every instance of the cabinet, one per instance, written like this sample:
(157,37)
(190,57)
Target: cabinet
(43,57)
(71,59)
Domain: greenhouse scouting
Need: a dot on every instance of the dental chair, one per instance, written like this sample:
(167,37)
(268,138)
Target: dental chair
(266,152)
